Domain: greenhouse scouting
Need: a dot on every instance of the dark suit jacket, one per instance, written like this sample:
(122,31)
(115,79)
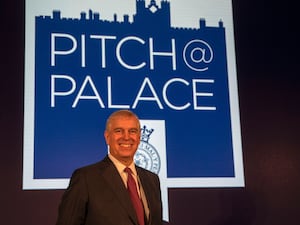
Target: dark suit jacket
(97,196)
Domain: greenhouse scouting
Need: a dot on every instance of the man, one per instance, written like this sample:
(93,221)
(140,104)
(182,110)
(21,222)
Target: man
(98,194)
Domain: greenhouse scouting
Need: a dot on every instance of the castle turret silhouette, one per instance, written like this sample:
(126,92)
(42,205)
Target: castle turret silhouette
(152,16)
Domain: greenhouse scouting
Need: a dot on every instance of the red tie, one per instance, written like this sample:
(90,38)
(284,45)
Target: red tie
(136,201)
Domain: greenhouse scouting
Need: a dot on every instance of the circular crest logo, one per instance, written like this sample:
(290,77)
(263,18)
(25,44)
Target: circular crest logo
(147,156)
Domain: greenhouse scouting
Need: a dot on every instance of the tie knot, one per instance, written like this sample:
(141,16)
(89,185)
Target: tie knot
(128,170)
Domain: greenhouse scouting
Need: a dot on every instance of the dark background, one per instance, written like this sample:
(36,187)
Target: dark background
(269,85)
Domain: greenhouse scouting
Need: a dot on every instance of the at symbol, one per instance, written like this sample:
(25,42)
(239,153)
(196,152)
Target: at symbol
(197,54)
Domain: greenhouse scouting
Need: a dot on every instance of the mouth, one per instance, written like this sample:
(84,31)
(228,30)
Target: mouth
(125,145)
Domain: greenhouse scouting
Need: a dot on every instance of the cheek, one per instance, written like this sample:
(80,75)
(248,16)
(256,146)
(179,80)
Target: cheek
(137,139)
(110,140)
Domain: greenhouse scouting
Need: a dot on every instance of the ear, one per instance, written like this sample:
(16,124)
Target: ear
(106,136)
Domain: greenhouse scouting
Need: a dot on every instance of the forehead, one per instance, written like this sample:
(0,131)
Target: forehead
(122,121)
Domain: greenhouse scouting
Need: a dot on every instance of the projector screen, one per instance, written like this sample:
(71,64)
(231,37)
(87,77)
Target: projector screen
(171,62)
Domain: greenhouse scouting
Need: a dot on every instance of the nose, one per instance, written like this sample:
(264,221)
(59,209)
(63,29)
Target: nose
(126,135)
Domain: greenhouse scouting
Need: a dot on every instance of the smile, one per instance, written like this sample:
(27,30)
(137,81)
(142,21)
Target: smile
(125,145)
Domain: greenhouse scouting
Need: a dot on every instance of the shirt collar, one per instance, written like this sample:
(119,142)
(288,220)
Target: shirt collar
(120,166)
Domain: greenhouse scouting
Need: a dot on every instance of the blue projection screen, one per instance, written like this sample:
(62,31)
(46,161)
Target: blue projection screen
(171,62)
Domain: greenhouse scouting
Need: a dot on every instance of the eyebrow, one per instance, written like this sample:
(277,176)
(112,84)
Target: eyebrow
(130,129)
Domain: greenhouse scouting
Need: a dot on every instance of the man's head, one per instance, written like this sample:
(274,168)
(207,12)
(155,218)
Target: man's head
(122,135)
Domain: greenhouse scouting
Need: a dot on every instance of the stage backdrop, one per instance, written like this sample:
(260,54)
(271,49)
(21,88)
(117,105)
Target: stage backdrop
(171,62)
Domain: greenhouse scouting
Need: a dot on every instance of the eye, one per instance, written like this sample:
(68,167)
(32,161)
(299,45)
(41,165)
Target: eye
(118,130)
(133,131)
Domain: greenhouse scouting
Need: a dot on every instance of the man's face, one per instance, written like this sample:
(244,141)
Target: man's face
(123,137)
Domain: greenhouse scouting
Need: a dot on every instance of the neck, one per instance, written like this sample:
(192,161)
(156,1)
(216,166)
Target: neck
(126,161)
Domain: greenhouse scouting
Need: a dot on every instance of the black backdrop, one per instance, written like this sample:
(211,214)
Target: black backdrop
(269,94)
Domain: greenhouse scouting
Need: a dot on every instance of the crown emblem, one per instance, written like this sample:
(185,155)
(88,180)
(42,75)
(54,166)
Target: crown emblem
(145,133)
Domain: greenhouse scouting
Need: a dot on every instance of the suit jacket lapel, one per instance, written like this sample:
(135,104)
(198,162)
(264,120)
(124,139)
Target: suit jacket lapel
(112,177)
(148,192)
